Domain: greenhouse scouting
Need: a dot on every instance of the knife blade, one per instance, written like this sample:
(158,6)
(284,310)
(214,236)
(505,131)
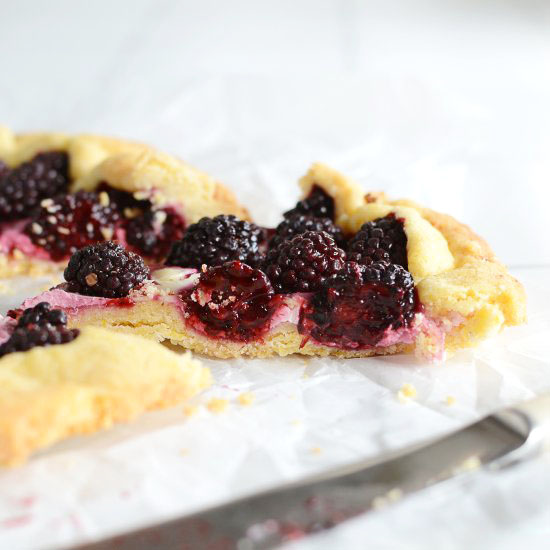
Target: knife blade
(270,518)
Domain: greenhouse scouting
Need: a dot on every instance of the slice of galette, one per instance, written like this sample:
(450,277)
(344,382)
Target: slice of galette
(59,193)
(56,381)
(344,274)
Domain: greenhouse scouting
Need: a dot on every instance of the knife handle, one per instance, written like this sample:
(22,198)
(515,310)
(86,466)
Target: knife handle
(538,412)
(531,418)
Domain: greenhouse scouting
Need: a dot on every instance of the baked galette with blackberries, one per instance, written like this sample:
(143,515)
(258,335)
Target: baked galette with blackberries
(345,273)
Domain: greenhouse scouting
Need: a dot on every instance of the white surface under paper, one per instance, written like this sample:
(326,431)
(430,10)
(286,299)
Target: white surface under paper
(442,102)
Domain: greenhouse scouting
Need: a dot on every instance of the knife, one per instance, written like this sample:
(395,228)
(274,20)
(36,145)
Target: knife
(271,518)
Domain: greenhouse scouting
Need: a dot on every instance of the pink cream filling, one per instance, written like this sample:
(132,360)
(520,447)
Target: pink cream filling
(68,301)
(12,237)
(7,324)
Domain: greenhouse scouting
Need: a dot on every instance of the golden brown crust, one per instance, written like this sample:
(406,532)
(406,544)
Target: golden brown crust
(125,165)
(100,378)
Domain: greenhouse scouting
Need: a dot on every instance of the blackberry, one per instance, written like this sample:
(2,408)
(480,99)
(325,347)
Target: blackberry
(66,223)
(297,223)
(233,301)
(382,239)
(317,204)
(105,269)
(3,170)
(22,188)
(41,314)
(153,232)
(39,326)
(303,263)
(355,312)
(215,241)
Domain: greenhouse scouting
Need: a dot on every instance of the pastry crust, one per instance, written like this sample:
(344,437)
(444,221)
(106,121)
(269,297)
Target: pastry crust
(157,321)
(124,165)
(100,378)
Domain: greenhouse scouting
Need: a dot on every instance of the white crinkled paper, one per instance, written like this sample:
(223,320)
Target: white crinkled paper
(308,415)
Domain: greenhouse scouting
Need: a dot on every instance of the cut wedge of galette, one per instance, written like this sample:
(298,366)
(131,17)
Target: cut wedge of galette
(59,193)
(345,273)
(56,381)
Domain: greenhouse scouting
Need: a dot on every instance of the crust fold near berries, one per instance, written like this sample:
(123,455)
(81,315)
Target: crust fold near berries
(49,393)
(124,165)
(459,280)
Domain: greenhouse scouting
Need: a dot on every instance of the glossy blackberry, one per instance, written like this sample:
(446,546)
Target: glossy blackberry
(22,188)
(153,232)
(382,239)
(41,314)
(39,326)
(105,269)
(303,263)
(66,223)
(317,204)
(233,301)
(297,223)
(215,241)
(355,312)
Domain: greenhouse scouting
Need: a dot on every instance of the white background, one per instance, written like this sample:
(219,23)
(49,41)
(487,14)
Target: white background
(446,102)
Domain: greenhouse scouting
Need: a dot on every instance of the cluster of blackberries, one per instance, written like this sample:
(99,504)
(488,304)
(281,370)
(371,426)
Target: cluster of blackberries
(39,326)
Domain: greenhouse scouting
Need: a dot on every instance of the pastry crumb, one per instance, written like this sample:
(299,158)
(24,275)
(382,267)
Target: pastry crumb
(217,405)
(184,452)
(450,400)
(316,450)
(393,495)
(190,410)
(296,422)
(469,465)
(407,391)
(246,398)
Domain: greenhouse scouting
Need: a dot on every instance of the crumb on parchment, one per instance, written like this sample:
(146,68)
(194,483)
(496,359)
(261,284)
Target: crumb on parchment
(407,391)
(450,400)
(316,450)
(246,398)
(190,410)
(393,495)
(217,405)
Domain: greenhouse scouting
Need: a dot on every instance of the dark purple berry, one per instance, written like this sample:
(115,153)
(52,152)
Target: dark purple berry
(215,241)
(66,223)
(355,309)
(42,313)
(39,326)
(297,223)
(303,263)
(317,204)
(381,240)
(233,301)
(105,269)
(23,188)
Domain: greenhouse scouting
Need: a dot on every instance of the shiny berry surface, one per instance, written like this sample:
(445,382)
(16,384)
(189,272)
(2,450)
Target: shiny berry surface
(233,301)
(356,309)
